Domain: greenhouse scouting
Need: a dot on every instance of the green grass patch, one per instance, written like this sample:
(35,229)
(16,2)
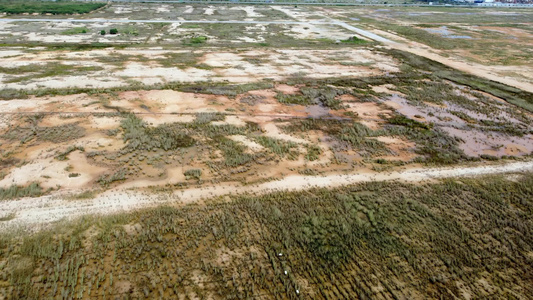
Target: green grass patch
(46,7)
(139,136)
(75,30)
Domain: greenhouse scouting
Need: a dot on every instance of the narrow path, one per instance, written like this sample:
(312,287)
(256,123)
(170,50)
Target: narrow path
(33,213)
(425,51)
(364,33)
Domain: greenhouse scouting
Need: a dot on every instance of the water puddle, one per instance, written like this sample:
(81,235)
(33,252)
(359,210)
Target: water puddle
(444,32)
(476,143)
(317,111)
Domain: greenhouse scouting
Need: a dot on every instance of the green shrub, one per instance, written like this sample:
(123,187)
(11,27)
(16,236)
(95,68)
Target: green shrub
(113,31)
(198,40)
(193,174)
(313,152)
(353,40)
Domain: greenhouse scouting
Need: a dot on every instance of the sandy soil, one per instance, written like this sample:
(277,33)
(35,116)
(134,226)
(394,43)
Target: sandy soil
(36,213)
(226,66)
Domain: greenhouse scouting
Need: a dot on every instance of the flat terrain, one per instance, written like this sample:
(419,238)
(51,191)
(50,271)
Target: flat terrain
(225,113)
(183,101)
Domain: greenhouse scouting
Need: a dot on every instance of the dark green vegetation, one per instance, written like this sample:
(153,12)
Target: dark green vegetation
(47,7)
(196,40)
(354,40)
(366,241)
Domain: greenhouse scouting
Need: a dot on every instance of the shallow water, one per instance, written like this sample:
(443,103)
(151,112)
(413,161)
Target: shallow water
(444,32)
(317,111)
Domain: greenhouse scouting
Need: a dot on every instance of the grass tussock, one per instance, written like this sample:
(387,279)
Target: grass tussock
(16,191)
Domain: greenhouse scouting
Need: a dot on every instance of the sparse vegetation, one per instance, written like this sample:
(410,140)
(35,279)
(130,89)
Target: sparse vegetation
(292,245)
(64,155)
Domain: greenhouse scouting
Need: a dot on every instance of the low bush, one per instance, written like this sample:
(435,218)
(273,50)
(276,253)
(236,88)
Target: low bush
(193,174)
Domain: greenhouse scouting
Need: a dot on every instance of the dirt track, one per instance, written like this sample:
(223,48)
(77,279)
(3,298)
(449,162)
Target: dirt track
(35,213)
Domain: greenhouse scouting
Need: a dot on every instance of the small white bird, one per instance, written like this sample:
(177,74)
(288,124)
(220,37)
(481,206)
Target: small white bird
(298,292)
(280,254)
(285,272)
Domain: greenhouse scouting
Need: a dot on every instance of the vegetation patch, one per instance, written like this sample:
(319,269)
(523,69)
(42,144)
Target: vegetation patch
(354,40)
(510,94)
(325,96)
(16,191)
(139,136)
(34,132)
(279,147)
(55,8)
(107,179)
(64,155)
(309,244)
(193,174)
(75,30)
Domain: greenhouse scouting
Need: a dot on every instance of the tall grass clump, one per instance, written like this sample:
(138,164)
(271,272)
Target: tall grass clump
(16,191)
